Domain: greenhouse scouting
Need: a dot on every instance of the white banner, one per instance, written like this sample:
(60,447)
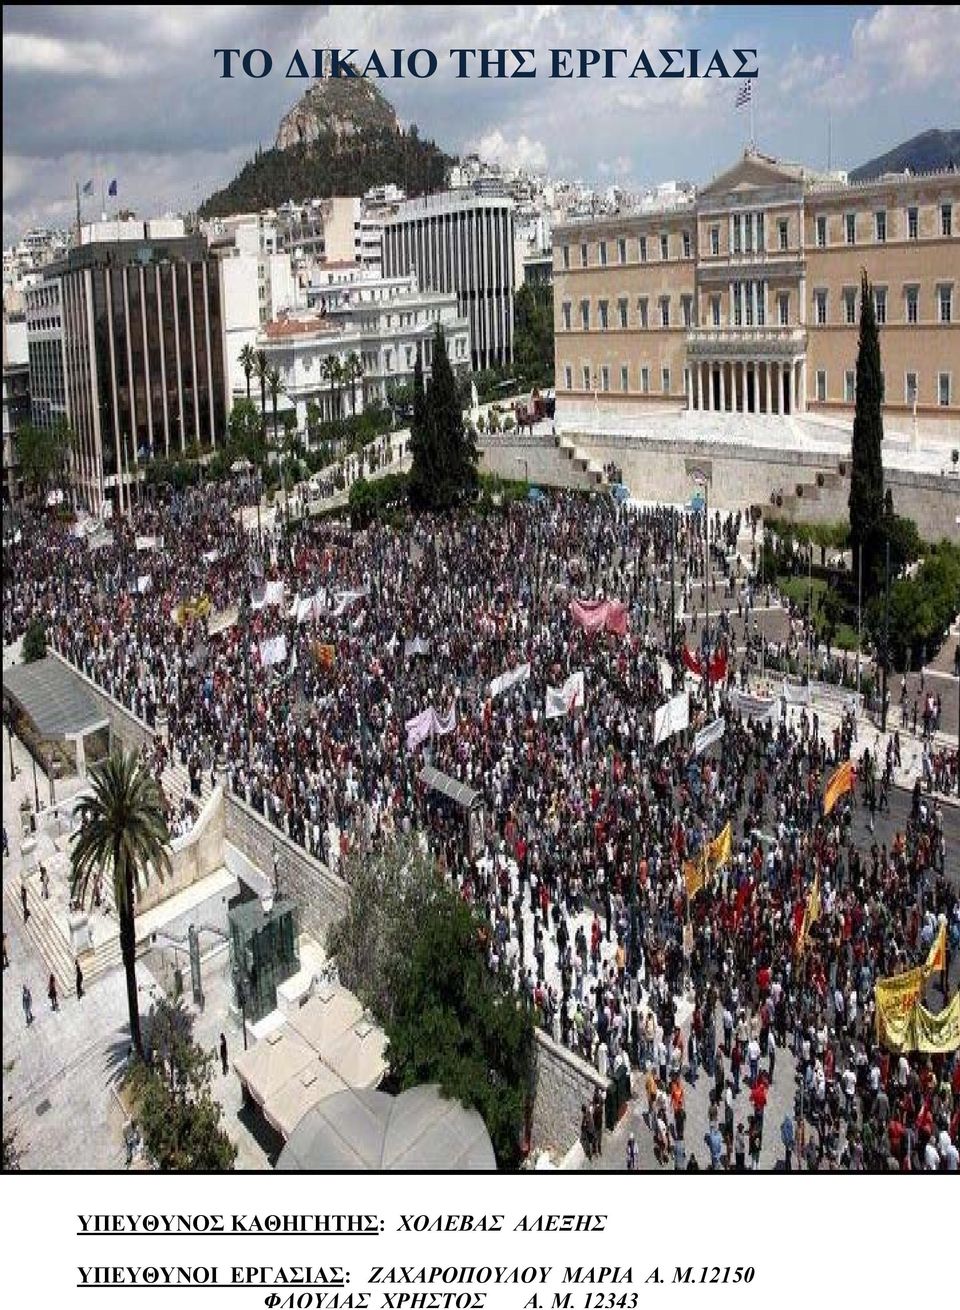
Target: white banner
(345,599)
(507,680)
(794,694)
(673,716)
(274,593)
(211,556)
(708,735)
(564,700)
(418,646)
(273,650)
(148,543)
(222,620)
(144,583)
(758,708)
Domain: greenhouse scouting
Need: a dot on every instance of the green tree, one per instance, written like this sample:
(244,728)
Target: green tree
(123,835)
(353,372)
(172,1088)
(444,449)
(866,478)
(42,454)
(275,387)
(34,641)
(248,361)
(533,335)
(456,1023)
(262,368)
(243,427)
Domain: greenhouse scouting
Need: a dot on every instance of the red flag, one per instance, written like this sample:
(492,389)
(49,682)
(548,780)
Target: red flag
(692,663)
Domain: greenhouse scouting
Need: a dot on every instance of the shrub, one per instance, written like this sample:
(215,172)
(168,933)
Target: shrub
(34,641)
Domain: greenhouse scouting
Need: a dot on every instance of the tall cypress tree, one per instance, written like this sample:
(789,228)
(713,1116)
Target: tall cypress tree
(866,479)
(456,448)
(423,472)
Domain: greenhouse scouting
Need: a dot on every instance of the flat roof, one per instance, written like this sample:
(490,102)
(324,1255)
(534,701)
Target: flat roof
(53,698)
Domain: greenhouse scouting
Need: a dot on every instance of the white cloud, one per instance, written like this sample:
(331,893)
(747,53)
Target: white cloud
(521,152)
(24,52)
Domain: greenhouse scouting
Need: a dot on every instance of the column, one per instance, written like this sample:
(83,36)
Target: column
(739,384)
(723,399)
(762,393)
(690,386)
(783,388)
(708,386)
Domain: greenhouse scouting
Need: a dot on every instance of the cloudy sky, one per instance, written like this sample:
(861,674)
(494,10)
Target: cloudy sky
(134,92)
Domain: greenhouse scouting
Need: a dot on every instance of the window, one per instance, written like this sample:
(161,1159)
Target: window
(624,378)
(665,311)
(605,378)
(913,226)
(783,302)
(568,377)
(761,304)
(585,315)
(821,385)
(643,250)
(738,304)
(665,379)
(748,233)
(603,254)
(687,311)
(821,232)
(586,377)
(737,244)
(913,304)
(622,249)
(583,254)
(715,241)
(880,224)
(622,308)
(850,227)
(783,233)
(566,256)
(715,310)
(566,316)
(880,304)
(910,389)
(943,389)
(664,246)
(820,301)
(686,244)
(642,311)
(849,386)
(946,222)
(645,380)
(849,305)
(602,315)
(748,303)
(759,232)
(945,297)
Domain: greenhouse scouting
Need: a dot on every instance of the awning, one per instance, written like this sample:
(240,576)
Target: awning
(284,1110)
(458,792)
(265,1068)
(53,698)
(326,1016)
(357,1055)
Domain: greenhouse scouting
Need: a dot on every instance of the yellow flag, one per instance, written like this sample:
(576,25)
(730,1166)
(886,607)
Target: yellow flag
(937,959)
(694,876)
(811,914)
(720,850)
(839,783)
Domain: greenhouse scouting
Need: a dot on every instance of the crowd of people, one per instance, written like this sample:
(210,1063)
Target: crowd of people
(578,859)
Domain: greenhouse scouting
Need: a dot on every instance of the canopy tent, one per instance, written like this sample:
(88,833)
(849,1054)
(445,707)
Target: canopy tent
(326,1016)
(53,698)
(286,1107)
(267,1067)
(358,1054)
(369,1130)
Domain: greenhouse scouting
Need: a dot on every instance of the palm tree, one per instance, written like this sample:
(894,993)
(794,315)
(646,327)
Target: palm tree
(353,371)
(328,370)
(274,385)
(248,359)
(123,833)
(261,368)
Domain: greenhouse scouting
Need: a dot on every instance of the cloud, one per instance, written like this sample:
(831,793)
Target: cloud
(521,152)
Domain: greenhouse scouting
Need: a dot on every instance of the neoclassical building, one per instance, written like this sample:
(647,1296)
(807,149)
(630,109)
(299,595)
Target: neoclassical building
(747,299)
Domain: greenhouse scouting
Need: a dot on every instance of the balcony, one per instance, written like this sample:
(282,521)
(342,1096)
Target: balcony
(772,342)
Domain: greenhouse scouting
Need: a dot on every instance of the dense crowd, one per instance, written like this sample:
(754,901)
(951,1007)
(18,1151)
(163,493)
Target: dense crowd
(577,861)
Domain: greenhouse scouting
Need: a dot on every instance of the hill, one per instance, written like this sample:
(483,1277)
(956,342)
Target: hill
(340,138)
(927,153)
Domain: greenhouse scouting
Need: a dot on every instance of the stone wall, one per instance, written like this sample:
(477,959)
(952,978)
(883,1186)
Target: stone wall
(192,857)
(125,728)
(564,1084)
(321,895)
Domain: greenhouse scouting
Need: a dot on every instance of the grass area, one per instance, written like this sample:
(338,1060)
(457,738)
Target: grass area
(800,590)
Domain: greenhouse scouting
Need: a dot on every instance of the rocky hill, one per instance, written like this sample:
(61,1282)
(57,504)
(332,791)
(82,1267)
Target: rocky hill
(929,152)
(340,138)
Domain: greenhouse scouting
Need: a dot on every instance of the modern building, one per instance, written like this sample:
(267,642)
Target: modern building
(16,400)
(746,297)
(126,341)
(383,322)
(463,243)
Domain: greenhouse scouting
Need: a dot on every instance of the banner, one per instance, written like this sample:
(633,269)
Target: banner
(223,619)
(507,680)
(917,1029)
(673,716)
(427,723)
(273,593)
(345,599)
(759,708)
(273,650)
(707,736)
(666,675)
(418,646)
(794,694)
(198,607)
(144,582)
(148,543)
(937,959)
(839,783)
(564,700)
(895,998)
(324,653)
(599,615)
(211,556)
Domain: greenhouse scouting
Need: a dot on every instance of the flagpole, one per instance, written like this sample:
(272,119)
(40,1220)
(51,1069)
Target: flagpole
(78,213)
(753,138)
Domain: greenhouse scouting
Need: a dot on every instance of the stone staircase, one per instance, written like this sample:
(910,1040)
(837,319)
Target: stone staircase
(49,940)
(175,781)
(588,469)
(809,489)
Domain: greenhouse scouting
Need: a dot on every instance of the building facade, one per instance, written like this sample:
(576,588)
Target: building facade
(747,298)
(462,243)
(142,343)
(383,322)
(16,401)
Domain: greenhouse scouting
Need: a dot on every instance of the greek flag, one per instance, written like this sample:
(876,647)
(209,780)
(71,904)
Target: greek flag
(744,95)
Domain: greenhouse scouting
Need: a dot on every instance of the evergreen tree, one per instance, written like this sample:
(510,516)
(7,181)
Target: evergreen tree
(423,472)
(866,480)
